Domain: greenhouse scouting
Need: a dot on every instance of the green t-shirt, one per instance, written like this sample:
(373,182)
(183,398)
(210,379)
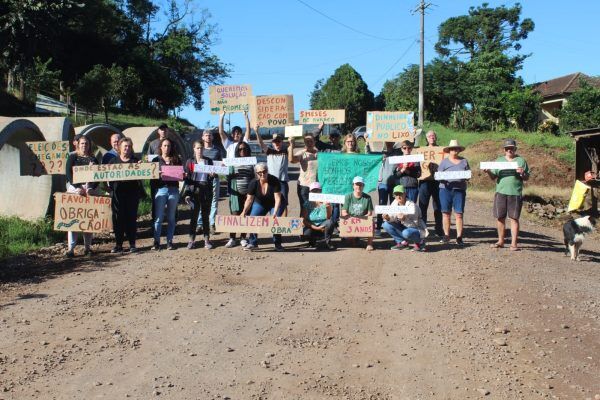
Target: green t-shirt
(358,207)
(508,181)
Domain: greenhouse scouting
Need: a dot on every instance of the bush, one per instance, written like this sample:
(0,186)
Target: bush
(549,126)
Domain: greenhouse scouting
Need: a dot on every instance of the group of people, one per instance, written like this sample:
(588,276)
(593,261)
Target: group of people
(264,188)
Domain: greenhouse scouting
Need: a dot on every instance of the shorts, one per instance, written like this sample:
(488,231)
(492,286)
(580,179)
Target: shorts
(452,199)
(505,204)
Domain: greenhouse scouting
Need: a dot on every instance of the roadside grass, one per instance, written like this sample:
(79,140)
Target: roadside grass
(18,236)
(546,192)
(122,121)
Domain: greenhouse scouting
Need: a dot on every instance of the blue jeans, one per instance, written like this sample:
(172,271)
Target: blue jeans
(216,193)
(385,198)
(399,232)
(168,196)
(335,214)
(430,190)
(259,210)
(412,193)
(285,192)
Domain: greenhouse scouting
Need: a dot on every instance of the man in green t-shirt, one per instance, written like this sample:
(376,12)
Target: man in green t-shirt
(508,199)
(358,204)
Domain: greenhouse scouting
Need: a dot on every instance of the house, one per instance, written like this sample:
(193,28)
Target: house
(555,92)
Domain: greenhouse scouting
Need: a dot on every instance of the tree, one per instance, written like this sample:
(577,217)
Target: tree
(344,89)
(401,93)
(523,105)
(39,77)
(581,110)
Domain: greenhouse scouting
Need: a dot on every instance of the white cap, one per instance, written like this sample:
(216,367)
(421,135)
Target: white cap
(358,179)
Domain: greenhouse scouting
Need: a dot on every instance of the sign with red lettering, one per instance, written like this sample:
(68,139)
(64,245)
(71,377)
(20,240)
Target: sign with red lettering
(432,156)
(45,158)
(230,98)
(390,126)
(356,227)
(73,212)
(258,224)
(271,111)
(322,116)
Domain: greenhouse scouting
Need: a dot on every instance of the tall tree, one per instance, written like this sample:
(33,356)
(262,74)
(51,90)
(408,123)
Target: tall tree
(581,111)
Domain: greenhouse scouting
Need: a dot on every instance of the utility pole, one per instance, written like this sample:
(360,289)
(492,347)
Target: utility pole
(421,9)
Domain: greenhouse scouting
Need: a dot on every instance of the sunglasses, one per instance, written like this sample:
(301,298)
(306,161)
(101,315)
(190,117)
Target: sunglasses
(243,148)
(509,149)
(261,172)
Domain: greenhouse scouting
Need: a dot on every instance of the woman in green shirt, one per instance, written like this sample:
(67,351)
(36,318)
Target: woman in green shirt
(317,219)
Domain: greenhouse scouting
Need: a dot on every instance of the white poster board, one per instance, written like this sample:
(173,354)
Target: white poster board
(498,165)
(327,198)
(211,169)
(391,210)
(449,175)
(406,159)
(239,161)
(292,131)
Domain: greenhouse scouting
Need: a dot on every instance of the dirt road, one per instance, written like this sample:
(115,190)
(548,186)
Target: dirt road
(447,324)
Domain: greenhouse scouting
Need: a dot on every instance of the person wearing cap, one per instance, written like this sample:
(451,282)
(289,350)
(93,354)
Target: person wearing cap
(386,171)
(453,192)
(407,174)
(358,204)
(405,228)
(334,145)
(308,166)
(508,199)
(278,163)
(317,219)
(429,189)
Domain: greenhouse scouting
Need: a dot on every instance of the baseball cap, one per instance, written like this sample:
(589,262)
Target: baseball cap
(315,186)
(278,136)
(358,179)
(335,133)
(510,143)
(398,189)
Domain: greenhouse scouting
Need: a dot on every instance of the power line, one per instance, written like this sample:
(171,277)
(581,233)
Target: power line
(394,64)
(351,28)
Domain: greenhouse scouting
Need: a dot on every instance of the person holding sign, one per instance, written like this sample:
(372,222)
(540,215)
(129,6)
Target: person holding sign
(198,194)
(407,174)
(453,192)
(308,166)
(81,156)
(429,189)
(358,204)
(384,193)
(508,199)
(264,196)
(125,200)
(214,153)
(230,143)
(405,228)
(317,219)
(277,161)
(167,194)
(334,145)
(153,152)
(239,180)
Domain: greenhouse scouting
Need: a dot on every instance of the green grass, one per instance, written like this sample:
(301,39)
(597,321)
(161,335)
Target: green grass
(122,121)
(18,236)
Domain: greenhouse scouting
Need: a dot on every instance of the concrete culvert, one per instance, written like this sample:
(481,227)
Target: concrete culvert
(100,135)
(142,136)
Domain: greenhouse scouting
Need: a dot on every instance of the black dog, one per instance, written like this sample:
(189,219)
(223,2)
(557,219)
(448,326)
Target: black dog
(574,232)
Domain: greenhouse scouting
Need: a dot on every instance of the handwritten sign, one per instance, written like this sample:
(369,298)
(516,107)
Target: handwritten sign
(433,156)
(272,111)
(390,126)
(498,165)
(171,172)
(46,158)
(258,224)
(322,116)
(336,171)
(230,98)
(450,175)
(73,212)
(326,198)
(356,227)
(391,210)
(239,161)
(115,172)
(293,131)
(406,159)
(211,169)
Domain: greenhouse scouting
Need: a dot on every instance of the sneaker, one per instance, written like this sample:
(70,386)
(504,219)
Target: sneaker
(213,230)
(377,233)
(400,246)
(208,245)
(133,249)
(311,243)
(445,239)
(170,246)
(279,247)
(243,242)
(191,244)
(329,246)
(87,252)
(459,242)
(156,246)
(70,254)
(336,232)
(116,249)
(230,243)
(419,247)
(250,247)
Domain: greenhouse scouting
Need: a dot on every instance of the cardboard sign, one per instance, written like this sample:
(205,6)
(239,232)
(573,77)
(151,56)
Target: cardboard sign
(449,175)
(322,116)
(211,169)
(239,161)
(265,224)
(76,213)
(326,198)
(171,172)
(46,158)
(115,172)
(498,165)
(293,131)
(406,159)
(433,157)
(356,227)
(272,111)
(230,98)
(392,210)
(390,126)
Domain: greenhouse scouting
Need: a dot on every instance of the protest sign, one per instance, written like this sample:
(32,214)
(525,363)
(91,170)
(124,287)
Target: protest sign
(259,224)
(230,98)
(73,212)
(336,171)
(322,116)
(356,227)
(391,210)
(272,111)
(211,169)
(406,159)
(326,198)
(448,175)
(498,165)
(390,126)
(115,172)
(46,158)
(238,161)
(433,156)
(292,131)
(171,172)
(151,157)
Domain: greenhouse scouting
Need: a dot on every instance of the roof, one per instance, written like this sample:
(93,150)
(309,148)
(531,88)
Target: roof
(585,132)
(563,85)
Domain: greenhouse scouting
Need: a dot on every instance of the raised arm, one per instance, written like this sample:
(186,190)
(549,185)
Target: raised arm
(222,129)
(293,158)
(247,134)
(260,140)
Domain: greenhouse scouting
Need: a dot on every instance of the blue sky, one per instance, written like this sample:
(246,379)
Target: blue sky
(284,47)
